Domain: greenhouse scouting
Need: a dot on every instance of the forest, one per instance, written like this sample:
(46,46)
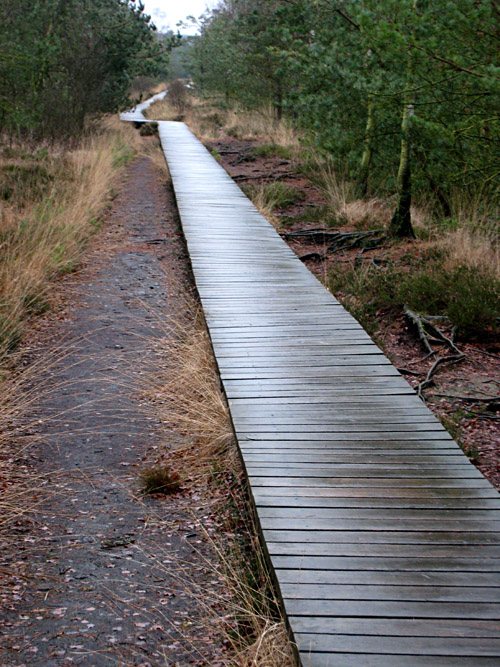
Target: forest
(403,94)
(62,61)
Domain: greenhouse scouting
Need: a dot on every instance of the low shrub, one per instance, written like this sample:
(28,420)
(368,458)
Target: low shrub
(159,480)
(272,150)
(148,129)
(469,297)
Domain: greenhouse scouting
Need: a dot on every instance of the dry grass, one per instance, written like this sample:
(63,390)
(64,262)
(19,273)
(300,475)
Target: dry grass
(266,200)
(187,392)
(162,110)
(472,248)
(187,395)
(54,201)
(261,125)
(211,121)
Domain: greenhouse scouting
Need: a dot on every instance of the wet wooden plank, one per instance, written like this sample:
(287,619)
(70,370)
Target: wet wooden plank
(384,539)
(390,593)
(357,577)
(426,646)
(311,658)
(467,567)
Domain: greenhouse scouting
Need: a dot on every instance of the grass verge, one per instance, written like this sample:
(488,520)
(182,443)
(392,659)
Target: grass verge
(54,198)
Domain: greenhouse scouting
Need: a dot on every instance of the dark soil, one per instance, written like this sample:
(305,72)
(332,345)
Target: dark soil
(476,426)
(101,574)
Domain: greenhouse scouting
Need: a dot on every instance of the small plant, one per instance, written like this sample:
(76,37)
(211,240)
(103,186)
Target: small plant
(272,150)
(215,154)
(159,480)
(148,129)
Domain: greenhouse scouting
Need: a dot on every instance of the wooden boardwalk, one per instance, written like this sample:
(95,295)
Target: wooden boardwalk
(384,539)
(136,114)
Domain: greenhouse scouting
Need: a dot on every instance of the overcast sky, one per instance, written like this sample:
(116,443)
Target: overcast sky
(167,13)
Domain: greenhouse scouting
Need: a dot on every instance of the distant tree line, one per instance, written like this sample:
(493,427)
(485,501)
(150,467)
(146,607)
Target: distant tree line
(63,60)
(404,93)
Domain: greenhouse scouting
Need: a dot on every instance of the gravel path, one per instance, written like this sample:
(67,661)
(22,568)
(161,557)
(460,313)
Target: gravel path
(105,562)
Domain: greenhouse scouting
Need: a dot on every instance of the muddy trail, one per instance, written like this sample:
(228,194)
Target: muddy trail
(104,568)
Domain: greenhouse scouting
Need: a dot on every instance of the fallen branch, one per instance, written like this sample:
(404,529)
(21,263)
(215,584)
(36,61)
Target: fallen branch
(263,177)
(348,241)
(336,240)
(440,335)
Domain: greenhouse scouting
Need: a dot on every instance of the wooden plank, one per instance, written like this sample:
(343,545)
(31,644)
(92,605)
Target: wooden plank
(392,537)
(425,646)
(388,579)
(377,505)
(309,658)
(464,517)
(397,609)
(425,553)
(397,627)
(468,566)
(391,593)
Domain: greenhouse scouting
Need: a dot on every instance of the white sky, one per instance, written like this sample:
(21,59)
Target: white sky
(167,13)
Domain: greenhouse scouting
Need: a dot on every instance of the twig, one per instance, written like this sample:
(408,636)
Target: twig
(419,361)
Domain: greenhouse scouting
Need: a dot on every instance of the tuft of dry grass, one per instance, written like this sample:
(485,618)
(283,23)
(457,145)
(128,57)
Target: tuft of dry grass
(267,197)
(188,394)
(473,248)
(53,204)
(159,479)
(261,125)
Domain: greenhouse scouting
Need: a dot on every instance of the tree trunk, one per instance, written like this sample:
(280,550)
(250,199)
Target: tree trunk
(366,158)
(400,225)
(278,103)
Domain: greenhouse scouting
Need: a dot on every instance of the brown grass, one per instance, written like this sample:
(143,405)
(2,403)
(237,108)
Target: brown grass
(209,121)
(54,203)
(187,392)
(473,248)
(187,395)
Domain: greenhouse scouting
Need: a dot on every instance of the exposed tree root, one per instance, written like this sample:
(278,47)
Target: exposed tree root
(452,359)
(424,326)
(416,320)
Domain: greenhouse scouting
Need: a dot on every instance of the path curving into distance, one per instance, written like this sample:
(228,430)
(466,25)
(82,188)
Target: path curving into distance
(383,538)
(136,114)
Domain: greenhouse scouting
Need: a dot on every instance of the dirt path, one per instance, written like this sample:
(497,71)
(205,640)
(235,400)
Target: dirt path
(105,590)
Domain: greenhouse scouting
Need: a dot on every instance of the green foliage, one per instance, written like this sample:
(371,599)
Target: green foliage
(271,150)
(467,295)
(379,84)
(63,60)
